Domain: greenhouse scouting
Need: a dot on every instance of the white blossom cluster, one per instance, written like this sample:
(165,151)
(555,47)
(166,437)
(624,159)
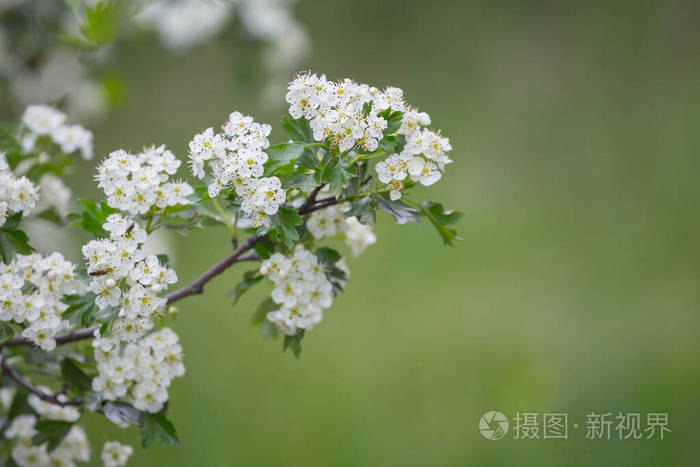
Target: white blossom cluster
(122,276)
(31,288)
(137,182)
(301,288)
(45,121)
(17,194)
(330,221)
(115,454)
(347,115)
(236,158)
(139,372)
(73,448)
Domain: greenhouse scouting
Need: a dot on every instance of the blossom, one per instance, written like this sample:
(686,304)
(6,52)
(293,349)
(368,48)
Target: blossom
(327,222)
(358,236)
(137,182)
(115,454)
(17,194)
(301,288)
(43,119)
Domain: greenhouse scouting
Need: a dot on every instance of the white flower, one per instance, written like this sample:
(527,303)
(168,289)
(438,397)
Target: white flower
(42,119)
(71,138)
(115,454)
(327,222)
(358,236)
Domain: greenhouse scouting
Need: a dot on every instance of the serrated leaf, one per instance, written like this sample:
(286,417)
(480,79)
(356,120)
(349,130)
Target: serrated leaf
(336,173)
(436,215)
(284,153)
(393,119)
(298,130)
(6,332)
(13,240)
(284,223)
(327,256)
(121,413)
(401,212)
(80,308)
(101,22)
(74,376)
(264,247)
(364,210)
(93,216)
(293,343)
(157,426)
(51,432)
(304,182)
(250,278)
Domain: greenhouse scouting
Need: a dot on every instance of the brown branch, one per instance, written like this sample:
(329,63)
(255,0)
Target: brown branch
(19,379)
(197,286)
(311,199)
(64,338)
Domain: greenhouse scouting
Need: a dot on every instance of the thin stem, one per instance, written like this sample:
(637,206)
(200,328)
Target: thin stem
(26,384)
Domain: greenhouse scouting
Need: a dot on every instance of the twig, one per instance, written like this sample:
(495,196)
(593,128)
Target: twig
(197,286)
(19,379)
(311,199)
(64,338)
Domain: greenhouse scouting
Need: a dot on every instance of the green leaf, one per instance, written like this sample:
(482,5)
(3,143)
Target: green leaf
(264,247)
(327,256)
(337,173)
(80,309)
(441,214)
(121,413)
(364,210)
(157,426)
(260,315)
(93,216)
(304,182)
(284,223)
(401,212)
(298,130)
(12,239)
(250,278)
(74,5)
(19,405)
(74,376)
(101,22)
(284,153)
(6,332)
(164,260)
(393,120)
(11,146)
(293,343)
(440,218)
(51,432)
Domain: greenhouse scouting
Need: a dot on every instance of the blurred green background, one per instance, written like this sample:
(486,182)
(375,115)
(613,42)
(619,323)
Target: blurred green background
(575,135)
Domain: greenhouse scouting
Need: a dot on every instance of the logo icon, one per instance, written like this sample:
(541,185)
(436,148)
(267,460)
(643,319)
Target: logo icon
(493,425)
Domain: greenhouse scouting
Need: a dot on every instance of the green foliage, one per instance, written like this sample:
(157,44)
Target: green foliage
(303,181)
(51,432)
(250,278)
(260,315)
(284,224)
(13,240)
(401,212)
(73,375)
(364,210)
(101,22)
(10,146)
(283,153)
(83,311)
(393,121)
(157,426)
(6,331)
(336,174)
(264,247)
(92,216)
(441,219)
(121,413)
(293,343)
(298,130)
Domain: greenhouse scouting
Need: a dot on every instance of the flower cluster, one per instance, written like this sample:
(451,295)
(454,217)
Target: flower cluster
(73,448)
(352,115)
(236,159)
(140,372)
(301,288)
(115,454)
(118,262)
(31,288)
(17,194)
(137,182)
(43,120)
(330,221)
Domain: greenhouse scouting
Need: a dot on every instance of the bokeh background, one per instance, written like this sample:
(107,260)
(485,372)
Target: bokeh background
(575,135)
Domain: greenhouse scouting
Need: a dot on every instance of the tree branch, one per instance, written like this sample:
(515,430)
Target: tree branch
(19,379)
(197,286)
(64,338)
